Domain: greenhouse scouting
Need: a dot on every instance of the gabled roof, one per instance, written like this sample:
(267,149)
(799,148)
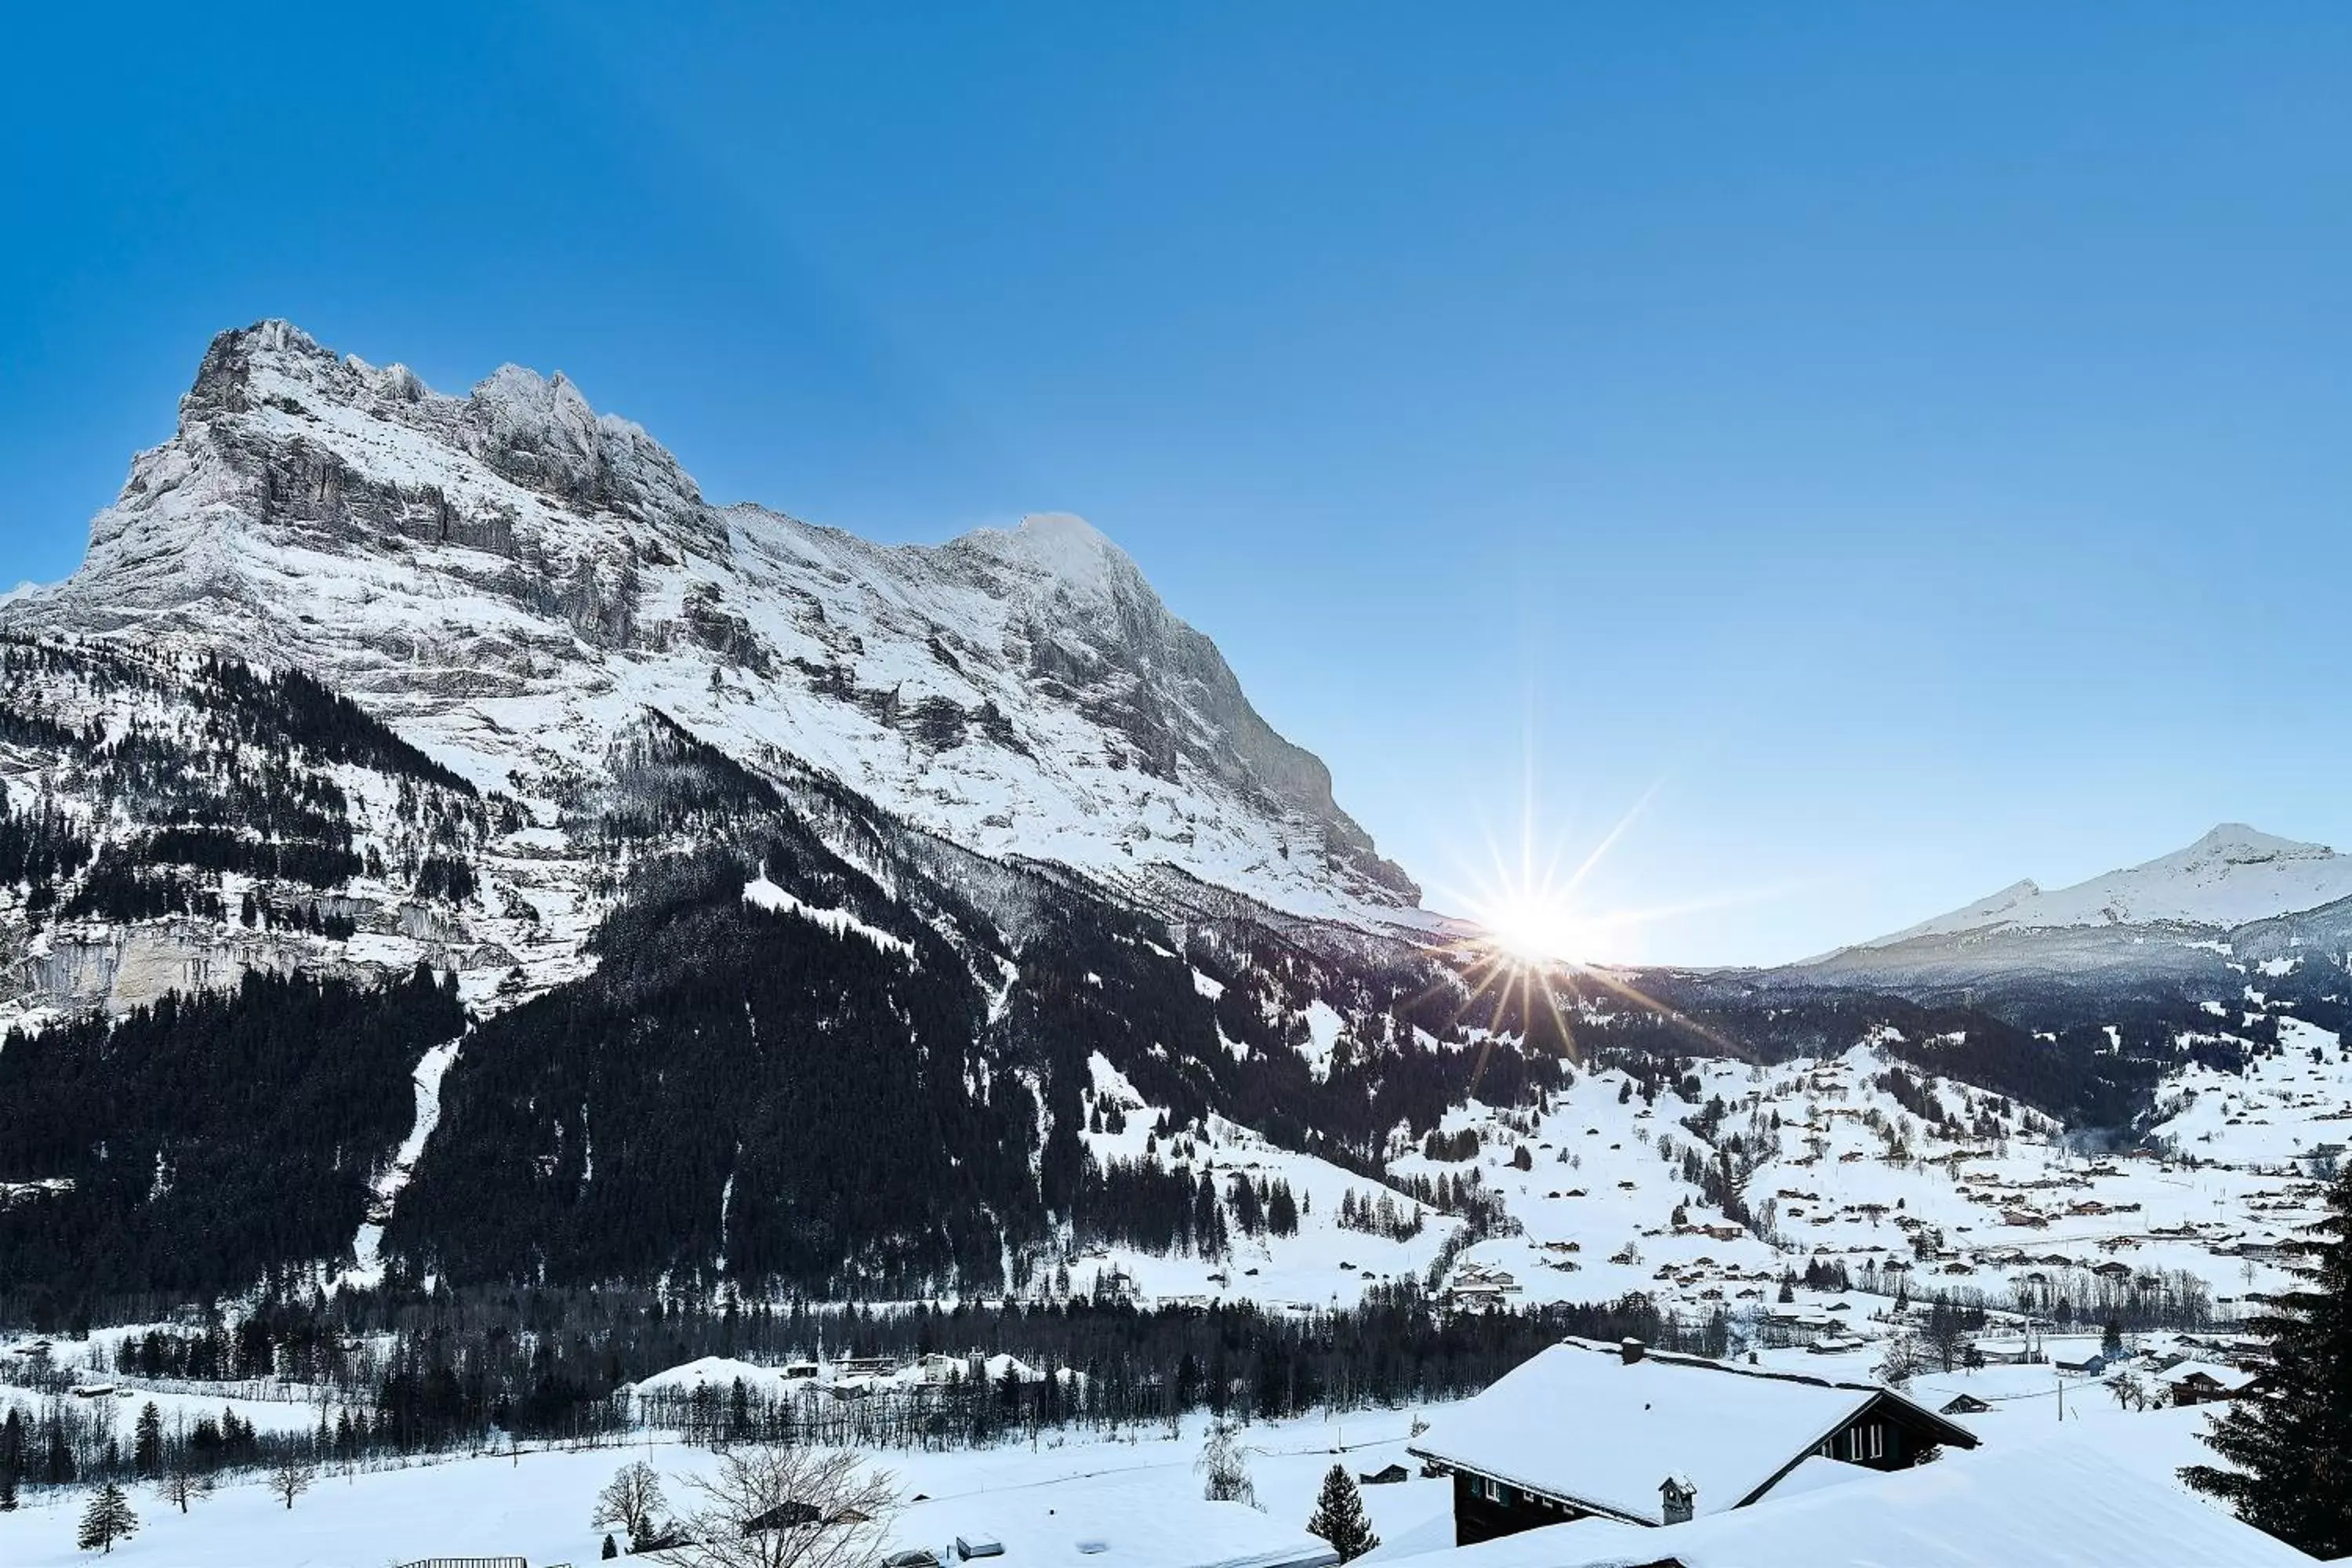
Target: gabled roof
(1578,1424)
(2229,1378)
(2053,1503)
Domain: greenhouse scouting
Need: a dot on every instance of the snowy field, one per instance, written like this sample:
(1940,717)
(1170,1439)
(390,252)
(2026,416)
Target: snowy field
(537,1504)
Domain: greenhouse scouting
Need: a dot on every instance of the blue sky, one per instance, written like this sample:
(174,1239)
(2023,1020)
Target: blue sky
(1901,449)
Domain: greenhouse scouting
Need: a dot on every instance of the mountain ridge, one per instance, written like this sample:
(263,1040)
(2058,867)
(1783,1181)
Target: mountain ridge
(2232,876)
(508,576)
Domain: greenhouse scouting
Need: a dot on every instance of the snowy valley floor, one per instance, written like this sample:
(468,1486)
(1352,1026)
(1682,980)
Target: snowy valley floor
(538,1505)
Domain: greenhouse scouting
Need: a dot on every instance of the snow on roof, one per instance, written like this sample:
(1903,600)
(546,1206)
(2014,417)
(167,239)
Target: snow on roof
(717,1371)
(2228,1377)
(1580,1423)
(2055,1503)
(1110,1522)
(1814,1472)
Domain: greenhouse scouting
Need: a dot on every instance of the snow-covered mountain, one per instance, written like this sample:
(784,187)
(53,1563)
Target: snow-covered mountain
(561,876)
(2189,923)
(552,871)
(2233,875)
(511,579)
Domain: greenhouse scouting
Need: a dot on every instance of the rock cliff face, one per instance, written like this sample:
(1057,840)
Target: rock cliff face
(510,579)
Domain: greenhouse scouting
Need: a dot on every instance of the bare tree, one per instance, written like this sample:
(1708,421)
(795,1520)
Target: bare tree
(289,1478)
(633,1500)
(1901,1361)
(181,1485)
(1224,1472)
(785,1508)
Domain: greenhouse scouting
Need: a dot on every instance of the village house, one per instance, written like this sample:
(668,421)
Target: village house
(2038,1504)
(2203,1381)
(1619,1432)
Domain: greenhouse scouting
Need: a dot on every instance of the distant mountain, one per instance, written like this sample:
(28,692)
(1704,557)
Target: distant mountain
(2184,924)
(2232,876)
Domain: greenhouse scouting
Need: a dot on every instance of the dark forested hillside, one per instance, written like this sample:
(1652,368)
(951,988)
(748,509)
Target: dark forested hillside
(206,1140)
(735,1092)
(2077,1072)
(815,1069)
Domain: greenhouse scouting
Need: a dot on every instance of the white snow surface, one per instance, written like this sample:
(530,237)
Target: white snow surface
(367,1246)
(766,895)
(537,1504)
(1111,1521)
(2058,1503)
(2232,876)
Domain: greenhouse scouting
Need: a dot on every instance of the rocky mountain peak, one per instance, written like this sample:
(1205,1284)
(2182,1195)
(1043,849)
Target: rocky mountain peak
(2236,844)
(2233,875)
(1063,550)
(510,577)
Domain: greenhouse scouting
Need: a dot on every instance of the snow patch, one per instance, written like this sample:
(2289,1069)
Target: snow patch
(766,895)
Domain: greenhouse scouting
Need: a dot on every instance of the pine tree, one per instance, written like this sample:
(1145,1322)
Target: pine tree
(1338,1516)
(58,1468)
(147,1441)
(12,1458)
(108,1519)
(2291,1444)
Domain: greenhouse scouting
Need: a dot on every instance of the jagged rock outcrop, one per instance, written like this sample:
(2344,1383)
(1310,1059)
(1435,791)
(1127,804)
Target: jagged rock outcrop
(509,578)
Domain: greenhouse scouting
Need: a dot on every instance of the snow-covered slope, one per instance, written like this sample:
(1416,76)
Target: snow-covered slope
(2186,924)
(2230,876)
(509,579)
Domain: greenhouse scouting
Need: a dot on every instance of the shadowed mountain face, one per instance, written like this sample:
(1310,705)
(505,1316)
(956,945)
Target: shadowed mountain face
(509,578)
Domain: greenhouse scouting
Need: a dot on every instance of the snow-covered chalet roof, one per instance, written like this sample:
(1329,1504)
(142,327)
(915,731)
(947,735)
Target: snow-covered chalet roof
(2053,1503)
(2228,1377)
(1580,1424)
(1110,1522)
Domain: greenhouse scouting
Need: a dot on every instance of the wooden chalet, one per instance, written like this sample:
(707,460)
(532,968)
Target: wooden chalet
(2203,1381)
(1588,1430)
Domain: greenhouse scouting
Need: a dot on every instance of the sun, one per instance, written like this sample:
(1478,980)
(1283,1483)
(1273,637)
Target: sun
(1535,927)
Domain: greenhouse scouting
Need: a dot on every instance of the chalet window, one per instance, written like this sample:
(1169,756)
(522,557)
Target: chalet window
(1877,1440)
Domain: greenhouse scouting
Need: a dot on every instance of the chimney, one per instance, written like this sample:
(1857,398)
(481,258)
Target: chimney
(1678,1500)
(1631,1350)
